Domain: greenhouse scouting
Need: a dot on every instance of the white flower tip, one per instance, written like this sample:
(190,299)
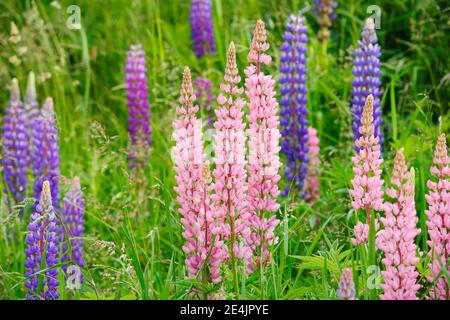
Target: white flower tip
(31,85)
(15,90)
(46,196)
(370,23)
(47,107)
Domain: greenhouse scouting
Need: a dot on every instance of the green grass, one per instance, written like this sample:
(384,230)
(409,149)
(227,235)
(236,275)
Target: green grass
(140,257)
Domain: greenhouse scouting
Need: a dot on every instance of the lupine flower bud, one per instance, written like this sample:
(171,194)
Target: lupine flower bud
(324,9)
(230,176)
(139,127)
(396,240)
(312,177)
(366,192)
(193,190)
(367,80)
(346,289)
(202,27)
(14,147)
(438,223)
(42,250)
(72,217)
(31,113)
(204,95)
(293,103)
(263,145)
(46,152)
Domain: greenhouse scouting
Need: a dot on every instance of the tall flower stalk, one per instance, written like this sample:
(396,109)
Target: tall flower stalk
(46,152)
(438,223)
(31,113)
(263,146)
(139,127)
(202,28)
(367,79)
(14,147)
(42,250)
(293,104)
(325,11)
(72,218)
(366,191)
(205,250)
(396,240)
(230,175)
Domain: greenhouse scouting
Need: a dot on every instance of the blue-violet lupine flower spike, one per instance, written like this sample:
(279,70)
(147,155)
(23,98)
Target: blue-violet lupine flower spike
(31,113)
(139,127)
(72,217)
(14,143)
(293,103)
(46,151)
(367,79)
(202,28)
(42,250)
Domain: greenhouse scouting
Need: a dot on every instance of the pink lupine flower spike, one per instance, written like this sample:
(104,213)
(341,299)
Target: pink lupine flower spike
(263,144)
(438,223)
(230,176)
(203,246)
(396,240)
(366,192)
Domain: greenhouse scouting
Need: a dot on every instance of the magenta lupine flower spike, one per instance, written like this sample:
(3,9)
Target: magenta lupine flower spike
(346,289)
(293,104)
(202,27)
(31,113)
(42,249)
(46,152)
(325,11)
(14,147)
(203,246)
(72,217)
(312,176)
(230,176)
(367,79)
(139,127)
(366,192)
(396,240)
(438,223)
(263,144)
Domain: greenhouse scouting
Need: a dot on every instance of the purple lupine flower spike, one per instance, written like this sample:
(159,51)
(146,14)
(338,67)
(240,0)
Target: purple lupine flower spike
(325,11)
(72,217)
(202,87)
(139,127)
(31,113)
(202,28)
(42,243)
(346,289)
(14,143)
(293,103)
(367,79)
(46,151)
